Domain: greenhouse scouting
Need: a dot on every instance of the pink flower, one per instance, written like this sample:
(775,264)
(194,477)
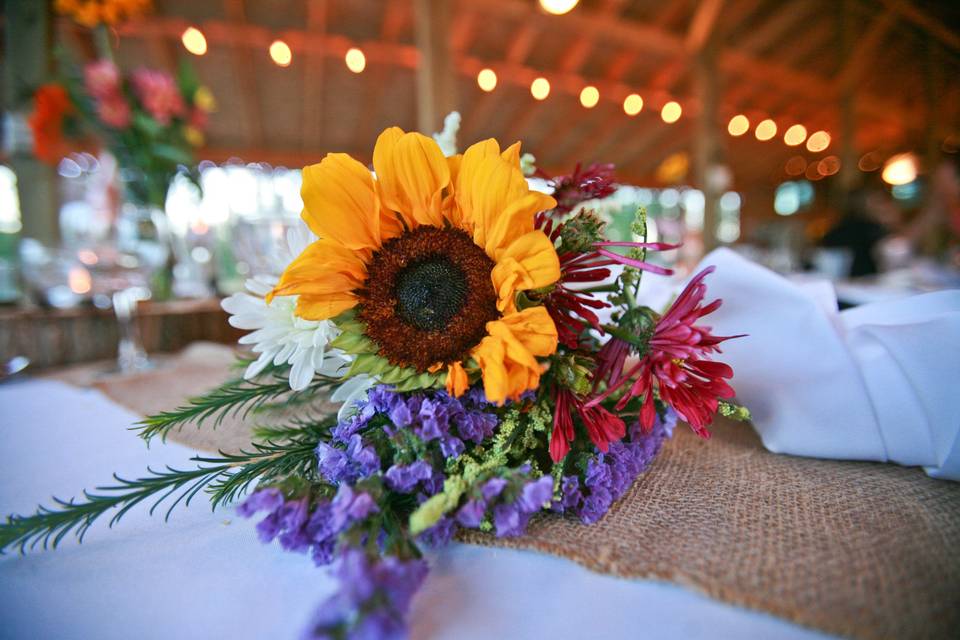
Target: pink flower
(159,95)
(602,426)
(114,112)
(102,79)
(675,364)
(571,308)
(596,181)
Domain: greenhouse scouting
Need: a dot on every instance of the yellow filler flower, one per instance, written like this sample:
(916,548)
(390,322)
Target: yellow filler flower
(429,255)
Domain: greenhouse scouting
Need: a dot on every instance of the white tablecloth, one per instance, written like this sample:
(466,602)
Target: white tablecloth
(205,575)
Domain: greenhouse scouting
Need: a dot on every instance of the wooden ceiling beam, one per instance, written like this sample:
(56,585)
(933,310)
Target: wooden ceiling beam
(930,24)
(862,55)
(243,67)
(394,20)
(313,79)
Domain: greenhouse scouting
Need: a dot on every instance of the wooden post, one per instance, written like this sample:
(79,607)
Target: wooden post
(436,82)
(27,32)
(707,152)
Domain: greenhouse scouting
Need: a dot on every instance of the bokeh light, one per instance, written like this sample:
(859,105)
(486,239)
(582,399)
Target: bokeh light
(589,97)
(671,112)
(632,104)
(356,60)
(818,141)
(795,135)
(280,53)
(795,166)
(738,125)
(558,7)
(487,79)
(900,169)
(828,166)
(194,41)
(766,130)
(540,88)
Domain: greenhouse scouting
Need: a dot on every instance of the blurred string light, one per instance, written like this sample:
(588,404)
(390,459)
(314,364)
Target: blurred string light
(355,60)
(869,161)
(738,125)
(828,166)
(487,79)
(812,173)
(194,41)
(280,53)
(795,135)
(632,104)
(796,166)
(766,130)
(558,7)
(671,112)
(589,97)
(900,169)
(818,141)
(540,88)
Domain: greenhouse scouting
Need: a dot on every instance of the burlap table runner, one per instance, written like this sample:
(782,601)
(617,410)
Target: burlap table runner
(856,549)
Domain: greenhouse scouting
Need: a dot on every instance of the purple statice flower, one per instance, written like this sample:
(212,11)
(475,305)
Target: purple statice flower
(372,601)
(440,534)
(433,416)
(405,478)
(510,519)
(357,460)
(350,506)
(471,514)
(301,526)
(608,475)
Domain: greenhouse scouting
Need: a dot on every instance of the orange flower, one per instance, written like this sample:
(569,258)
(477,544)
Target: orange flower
(51,105)
(432,252)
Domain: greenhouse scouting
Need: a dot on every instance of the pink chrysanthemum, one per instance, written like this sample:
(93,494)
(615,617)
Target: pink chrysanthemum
(676,364)
(159,95)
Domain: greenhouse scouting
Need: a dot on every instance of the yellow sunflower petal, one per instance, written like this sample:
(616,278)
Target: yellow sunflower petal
(507,355)
(530,262)
(324,308)
(411,173)
(495,202)
(535,329)
(341,203)
(325,276)
(457,381)
(512,154)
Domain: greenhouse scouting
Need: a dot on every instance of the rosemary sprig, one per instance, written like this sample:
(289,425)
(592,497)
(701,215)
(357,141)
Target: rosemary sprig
(224,477)
(236,397)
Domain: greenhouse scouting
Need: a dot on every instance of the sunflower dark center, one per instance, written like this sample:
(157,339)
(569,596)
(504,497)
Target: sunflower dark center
(431,293)
(428,297)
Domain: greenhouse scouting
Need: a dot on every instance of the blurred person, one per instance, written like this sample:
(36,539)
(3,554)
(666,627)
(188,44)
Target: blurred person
(869,216)
(936,231)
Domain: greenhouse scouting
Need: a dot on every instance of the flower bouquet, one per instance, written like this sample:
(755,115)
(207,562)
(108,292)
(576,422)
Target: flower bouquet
(149,120)
(457,316)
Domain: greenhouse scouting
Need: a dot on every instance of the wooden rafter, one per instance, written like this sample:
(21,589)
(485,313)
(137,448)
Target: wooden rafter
(394,21)
(313,79)
(242,68)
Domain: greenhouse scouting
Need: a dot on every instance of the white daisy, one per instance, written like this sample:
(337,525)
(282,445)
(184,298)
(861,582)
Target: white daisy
(280,337)
(277,334)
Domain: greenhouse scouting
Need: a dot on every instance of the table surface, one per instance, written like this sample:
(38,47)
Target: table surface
(204,574)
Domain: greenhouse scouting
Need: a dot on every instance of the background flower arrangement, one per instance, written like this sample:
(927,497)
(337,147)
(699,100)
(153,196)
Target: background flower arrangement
(149,120)
(456,314)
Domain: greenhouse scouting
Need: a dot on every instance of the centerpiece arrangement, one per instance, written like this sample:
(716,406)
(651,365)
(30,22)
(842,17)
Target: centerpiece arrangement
(490,354)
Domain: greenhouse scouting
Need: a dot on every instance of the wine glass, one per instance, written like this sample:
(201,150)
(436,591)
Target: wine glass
(122,273)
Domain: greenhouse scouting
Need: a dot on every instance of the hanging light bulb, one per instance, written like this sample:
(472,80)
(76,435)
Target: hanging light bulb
(280,53)
(558,7)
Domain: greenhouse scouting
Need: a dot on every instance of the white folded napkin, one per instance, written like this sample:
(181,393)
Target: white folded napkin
(877,382)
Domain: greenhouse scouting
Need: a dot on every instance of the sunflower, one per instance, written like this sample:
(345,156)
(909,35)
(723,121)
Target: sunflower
(422,265)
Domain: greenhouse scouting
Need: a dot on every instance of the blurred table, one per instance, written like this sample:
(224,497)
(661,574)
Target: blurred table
(55,337)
